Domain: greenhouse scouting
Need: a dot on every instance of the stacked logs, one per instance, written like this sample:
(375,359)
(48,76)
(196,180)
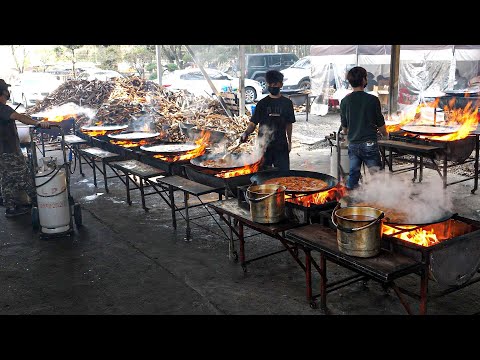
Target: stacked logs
(126,100)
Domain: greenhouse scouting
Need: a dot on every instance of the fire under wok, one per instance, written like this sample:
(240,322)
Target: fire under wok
(219,162)
(103,127)
(304,179)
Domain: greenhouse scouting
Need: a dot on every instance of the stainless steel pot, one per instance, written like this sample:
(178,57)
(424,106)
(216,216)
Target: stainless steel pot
(359,230)
(267,203)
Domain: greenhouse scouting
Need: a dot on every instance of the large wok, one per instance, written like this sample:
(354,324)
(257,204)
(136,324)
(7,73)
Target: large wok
(133,135)
(229,162)
(260,178)
(103,127)
(170,149)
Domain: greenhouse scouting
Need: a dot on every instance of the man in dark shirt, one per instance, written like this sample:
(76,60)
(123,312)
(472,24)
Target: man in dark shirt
(361,117)
(15,175)
(275,115)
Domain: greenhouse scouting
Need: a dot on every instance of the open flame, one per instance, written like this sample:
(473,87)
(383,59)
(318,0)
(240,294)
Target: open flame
(59,118)
(202,143)
(129,143)
(466,117)
(248,169)
(94,132)
(333,194)
(417,235)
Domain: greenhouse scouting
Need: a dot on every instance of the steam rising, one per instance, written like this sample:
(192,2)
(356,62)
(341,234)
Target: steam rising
(421,202)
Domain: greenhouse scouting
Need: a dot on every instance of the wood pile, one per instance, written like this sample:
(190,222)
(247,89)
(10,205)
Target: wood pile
(121,100)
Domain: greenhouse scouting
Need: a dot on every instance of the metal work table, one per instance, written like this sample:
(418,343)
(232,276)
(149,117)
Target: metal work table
(188,187)
(384,268)
(419,150)
(141,176)
(231,208)
(91,155)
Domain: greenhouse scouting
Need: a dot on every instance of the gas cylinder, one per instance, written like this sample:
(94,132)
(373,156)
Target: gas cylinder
(344,159)
(52,197)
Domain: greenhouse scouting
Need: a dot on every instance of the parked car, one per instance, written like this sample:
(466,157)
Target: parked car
(297,77)
(99,74)
(257,65)
(30,87)
(193,81)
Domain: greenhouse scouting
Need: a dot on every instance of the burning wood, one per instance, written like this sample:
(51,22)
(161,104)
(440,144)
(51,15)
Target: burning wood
(412,234)
(320,198)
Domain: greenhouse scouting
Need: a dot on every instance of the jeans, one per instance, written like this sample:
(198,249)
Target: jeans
(277,157)
(366,152)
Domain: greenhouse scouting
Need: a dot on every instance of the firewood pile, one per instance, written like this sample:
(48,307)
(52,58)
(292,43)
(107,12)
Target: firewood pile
(121,100)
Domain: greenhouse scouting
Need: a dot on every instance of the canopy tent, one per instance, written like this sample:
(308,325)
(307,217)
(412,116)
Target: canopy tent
(424,69)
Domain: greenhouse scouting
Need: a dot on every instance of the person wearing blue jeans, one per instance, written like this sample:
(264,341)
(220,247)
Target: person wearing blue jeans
(362,119)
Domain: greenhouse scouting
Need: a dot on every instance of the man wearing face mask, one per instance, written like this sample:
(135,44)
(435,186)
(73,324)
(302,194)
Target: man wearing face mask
(362,119)
(275,115)
(14,172)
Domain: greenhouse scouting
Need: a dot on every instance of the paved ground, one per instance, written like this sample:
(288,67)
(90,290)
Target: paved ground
(128,261)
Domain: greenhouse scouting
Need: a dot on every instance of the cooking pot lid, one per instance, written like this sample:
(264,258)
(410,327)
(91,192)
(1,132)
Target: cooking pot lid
(104,127)
(169,148)
(134,135)
(430,129)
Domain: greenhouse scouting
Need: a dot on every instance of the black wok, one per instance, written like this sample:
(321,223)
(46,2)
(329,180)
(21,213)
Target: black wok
(395,222)
(169,149)
(260,178)
(233,161)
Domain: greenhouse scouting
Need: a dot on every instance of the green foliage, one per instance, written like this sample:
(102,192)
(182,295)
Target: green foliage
(172,67)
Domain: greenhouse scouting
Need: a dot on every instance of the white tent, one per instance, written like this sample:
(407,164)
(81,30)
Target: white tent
(424,69)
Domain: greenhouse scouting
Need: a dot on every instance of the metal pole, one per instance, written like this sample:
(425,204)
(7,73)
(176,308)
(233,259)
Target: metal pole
(394,76)
(212,86)
(241,55)
(159,65)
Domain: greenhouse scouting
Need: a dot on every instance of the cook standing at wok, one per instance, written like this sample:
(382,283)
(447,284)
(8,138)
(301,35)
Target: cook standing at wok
(275,115)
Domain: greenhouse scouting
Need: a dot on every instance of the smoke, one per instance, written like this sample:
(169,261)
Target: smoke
(420,202)
(68,109)
(142,123)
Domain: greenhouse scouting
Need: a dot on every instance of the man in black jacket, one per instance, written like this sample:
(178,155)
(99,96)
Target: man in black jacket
(362,119)
(275,115)
(15,175)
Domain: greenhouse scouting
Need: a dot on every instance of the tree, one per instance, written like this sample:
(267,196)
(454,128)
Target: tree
(69,52)
(139,56)
(19,53)
(174,54)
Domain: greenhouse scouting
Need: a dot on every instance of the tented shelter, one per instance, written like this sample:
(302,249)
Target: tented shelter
(424,69)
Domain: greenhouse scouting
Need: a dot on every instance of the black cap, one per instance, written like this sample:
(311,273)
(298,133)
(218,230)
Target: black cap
(4,85)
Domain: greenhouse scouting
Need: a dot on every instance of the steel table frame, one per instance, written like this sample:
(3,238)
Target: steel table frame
(144,180)
(188,187)
(231,209)
(390,266)
(91,160)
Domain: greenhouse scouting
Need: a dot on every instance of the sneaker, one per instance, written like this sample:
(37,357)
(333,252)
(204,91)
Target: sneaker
(16,211)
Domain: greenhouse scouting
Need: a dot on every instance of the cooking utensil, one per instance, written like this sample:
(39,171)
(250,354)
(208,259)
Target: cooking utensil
(103,127)
(232,150)
(267,203)
(230,162)
(133,135)
(260,178)
(169,149)
(359,230)
(430,129)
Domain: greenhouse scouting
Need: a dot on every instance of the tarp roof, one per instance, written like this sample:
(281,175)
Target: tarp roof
(322,50)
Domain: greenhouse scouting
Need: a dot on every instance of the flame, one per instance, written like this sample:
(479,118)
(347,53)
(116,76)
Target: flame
(202,143)
(129,143)
(466,117)
(418,236)
(59,118)
(333,194)
(94,132)
(248,169)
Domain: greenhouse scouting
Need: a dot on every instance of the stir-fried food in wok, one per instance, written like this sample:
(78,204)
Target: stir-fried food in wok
(299,183)
(395,216)
(218,163)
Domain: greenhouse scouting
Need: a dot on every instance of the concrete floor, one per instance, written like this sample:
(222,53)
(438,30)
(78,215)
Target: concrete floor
(128,261)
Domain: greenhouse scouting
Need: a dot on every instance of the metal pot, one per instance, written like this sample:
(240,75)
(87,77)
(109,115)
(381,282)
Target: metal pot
(359,230)
(267,203)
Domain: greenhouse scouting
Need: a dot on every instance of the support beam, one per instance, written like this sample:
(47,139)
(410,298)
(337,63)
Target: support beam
(212,86)
(241,55)
(158,50)
(394,76)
